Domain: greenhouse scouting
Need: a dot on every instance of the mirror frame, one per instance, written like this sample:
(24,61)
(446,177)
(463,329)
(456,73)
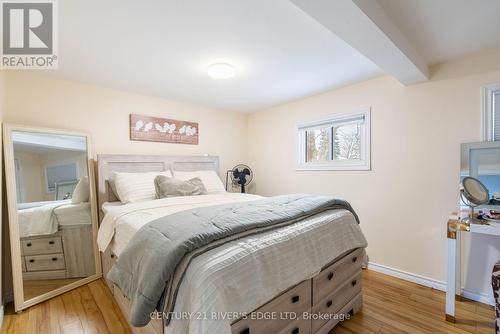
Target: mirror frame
(471,198)
(15,244)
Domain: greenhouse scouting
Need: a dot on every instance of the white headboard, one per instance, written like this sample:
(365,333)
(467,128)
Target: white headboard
(107,164)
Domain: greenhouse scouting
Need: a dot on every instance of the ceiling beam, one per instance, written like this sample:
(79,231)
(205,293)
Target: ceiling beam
(365,26)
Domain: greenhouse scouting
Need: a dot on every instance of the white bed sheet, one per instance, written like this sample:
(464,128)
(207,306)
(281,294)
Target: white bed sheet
(73,214)
(243,274)
(39,220)
(44,218)
(122,221)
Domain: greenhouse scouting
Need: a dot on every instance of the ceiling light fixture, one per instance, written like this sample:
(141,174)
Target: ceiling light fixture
(221,71)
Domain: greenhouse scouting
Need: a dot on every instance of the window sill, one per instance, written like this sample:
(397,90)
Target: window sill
(331,167)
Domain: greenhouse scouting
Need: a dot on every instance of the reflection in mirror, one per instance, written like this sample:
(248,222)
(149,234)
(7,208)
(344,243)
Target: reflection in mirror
(482,161)
(474,191)
(486,167)
(53,210)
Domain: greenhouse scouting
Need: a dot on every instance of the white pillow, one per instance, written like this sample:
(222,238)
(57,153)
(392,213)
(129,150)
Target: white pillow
(82,191)
(210,180)
(136,187)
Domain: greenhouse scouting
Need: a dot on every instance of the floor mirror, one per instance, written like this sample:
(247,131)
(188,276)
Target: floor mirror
(52,212)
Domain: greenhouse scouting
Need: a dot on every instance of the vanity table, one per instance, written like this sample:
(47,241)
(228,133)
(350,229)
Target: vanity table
(479,179)
(453,282)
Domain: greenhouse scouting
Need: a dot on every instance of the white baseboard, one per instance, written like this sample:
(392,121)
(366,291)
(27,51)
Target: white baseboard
(429,282)
(478,297)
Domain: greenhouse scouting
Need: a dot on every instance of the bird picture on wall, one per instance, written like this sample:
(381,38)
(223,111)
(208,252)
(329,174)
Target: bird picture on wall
(166,128)
(148,128)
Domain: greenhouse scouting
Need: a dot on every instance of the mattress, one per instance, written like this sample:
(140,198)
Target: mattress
(122,221)
(38,218)
(43,218)
(243,274)
(29,205)
(73,214)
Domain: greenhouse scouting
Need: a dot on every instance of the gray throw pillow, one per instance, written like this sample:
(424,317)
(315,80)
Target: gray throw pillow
(171,187)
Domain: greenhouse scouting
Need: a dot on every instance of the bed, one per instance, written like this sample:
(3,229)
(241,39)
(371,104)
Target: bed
(54,234)
(280,273)
(44,218)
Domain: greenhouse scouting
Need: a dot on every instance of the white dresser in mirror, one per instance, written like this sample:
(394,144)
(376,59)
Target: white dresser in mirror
(52,212)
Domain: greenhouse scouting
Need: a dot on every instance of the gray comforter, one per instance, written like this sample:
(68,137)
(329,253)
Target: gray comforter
(146,269)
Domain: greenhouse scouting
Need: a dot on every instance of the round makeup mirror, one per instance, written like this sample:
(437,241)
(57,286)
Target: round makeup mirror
(473,193)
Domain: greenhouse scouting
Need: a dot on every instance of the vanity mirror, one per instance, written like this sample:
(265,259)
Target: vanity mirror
(473,193)
(52,212)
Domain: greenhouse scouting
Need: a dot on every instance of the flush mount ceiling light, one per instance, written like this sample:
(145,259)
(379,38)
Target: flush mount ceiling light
(221,71)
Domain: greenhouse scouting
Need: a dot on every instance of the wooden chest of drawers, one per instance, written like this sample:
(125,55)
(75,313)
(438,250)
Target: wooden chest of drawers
(51,245)
(45,262)
(326,299)
(333,276)
(332,294)
(329,306)
(294,301)
(43,257)
(67,253)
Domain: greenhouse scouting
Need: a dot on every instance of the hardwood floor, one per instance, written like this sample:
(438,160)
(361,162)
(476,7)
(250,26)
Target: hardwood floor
(33,288)
(87,309)
(390,306)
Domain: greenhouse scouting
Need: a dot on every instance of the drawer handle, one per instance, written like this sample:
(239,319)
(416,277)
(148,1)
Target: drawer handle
(51,242)
(329,303)
(295,299)
(31,260)
(296,330)
(54,259)
(245,331)
(353,283)
(28,244)
(354,259)
(330,276)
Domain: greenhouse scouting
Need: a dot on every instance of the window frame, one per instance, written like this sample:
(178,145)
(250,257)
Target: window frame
(312,128)
(487,121)
(363,164)
(46,179)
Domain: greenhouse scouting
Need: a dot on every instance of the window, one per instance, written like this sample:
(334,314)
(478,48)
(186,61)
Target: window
(338,143)
(491,112)
(67,172)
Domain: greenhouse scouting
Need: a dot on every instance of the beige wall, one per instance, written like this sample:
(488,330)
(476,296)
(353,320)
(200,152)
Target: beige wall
(31,176)
(39,100)
(405,200)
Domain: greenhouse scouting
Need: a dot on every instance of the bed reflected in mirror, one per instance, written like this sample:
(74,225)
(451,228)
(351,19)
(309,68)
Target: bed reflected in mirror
(53,212)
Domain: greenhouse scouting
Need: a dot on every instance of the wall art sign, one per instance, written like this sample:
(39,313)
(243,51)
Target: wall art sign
(165,130)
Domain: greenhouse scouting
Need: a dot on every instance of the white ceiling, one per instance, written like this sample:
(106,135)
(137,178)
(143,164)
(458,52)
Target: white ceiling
(445,29)
(163,47)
